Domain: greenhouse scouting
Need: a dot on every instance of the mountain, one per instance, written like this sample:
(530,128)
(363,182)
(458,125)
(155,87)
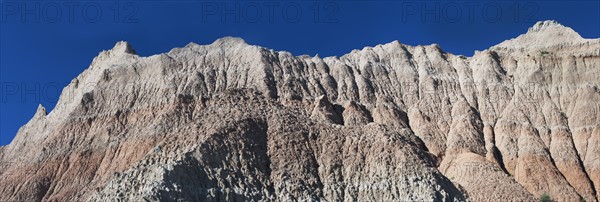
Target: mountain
(229,121)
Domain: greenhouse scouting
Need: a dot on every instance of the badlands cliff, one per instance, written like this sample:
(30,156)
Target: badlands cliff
(230,121)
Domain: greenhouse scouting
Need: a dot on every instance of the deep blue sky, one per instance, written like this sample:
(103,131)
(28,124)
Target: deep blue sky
(46,44)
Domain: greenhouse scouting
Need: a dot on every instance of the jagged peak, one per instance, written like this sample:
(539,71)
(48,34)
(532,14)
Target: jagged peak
(225,42)
(123,47)
(40,112)
(543,34)
(229,40)
(544,25)
(191,44)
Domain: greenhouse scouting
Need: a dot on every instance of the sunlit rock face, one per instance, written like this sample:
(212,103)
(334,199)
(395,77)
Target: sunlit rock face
(232,121)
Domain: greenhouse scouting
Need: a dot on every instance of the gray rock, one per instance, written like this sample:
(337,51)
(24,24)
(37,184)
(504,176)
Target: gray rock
(237,122)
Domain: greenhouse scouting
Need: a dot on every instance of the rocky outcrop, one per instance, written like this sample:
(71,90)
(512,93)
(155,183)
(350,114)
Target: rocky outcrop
(356,115)
(326,112)
(232,121)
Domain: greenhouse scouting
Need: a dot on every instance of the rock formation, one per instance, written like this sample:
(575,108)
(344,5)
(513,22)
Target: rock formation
(230,121)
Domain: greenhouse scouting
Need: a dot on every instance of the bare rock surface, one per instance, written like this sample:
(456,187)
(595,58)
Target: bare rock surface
(229,121)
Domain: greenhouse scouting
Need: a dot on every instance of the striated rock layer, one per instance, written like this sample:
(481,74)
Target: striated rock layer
(231,121)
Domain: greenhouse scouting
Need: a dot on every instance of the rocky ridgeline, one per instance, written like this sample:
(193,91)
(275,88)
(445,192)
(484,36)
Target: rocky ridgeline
(232,121)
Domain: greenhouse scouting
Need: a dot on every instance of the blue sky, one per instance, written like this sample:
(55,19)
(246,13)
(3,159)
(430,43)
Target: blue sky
(45,44)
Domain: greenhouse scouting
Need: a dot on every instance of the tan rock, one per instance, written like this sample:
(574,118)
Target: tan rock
(232,121)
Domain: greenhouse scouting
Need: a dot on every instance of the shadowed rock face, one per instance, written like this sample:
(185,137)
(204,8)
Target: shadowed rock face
(231,121)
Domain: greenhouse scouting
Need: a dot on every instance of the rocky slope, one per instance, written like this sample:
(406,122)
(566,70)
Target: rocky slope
(230,121)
